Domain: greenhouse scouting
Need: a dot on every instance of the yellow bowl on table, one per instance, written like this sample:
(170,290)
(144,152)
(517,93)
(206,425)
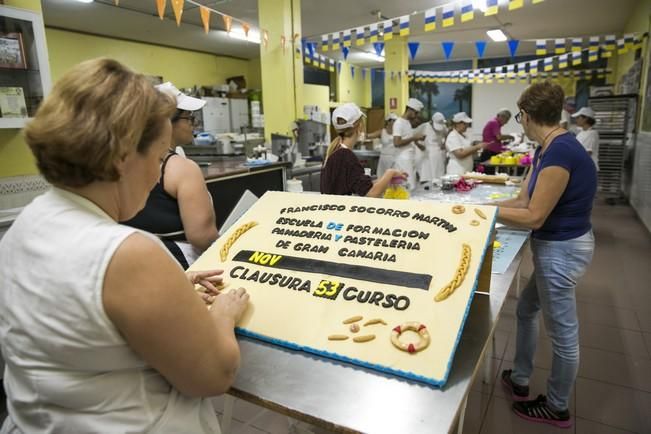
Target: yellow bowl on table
(509,161)
(496,159)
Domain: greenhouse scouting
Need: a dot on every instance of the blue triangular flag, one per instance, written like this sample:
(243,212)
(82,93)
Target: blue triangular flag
(379,48)
(338,67)
(413,49)
(481,47)
(345,50)
(513,46)
(352,71)
(447,48)
(311,47)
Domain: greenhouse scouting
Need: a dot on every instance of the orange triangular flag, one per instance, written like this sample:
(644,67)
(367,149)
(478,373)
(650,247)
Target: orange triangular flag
(246,29)
(265,38)
(283,42)
(228,22)
(160,5)
(205,17)
(177,5)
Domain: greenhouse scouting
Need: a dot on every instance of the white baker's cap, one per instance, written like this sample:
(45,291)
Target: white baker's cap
(438,119)
(461,117)
(183,101)
(414,104)
(585,111)
(391,117)
(348,112)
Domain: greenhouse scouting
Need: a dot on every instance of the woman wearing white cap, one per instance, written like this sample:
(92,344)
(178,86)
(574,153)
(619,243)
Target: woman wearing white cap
(588,136)
(179,209)
(405,141)
(388,151)
(433,167)
(342,173)
(460,147)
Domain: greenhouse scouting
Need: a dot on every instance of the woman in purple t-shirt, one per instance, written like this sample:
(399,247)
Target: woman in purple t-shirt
(556,203)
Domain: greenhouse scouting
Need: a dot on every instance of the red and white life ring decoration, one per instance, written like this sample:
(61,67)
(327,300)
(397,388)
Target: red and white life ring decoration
(413,326)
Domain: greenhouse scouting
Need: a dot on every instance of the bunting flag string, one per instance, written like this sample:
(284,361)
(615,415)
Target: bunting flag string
(359,36)
(541,47)
(228,22)
(347,38)
(373,33)
(335,41)
(404,25)
(577,44)
(379,48)
(491,8)
(559,46)
(430,19)
(388,30)
(205,18)
(481,48)
(486,75)
(325,39)
(448,46)
(515,4)
(160,6)
(345,51)
(467,11)
(513,46)
(177,7)
(413,49)
(448,15)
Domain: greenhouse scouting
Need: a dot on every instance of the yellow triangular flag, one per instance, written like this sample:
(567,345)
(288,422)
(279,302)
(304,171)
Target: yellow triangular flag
(205,18)
(177,6)
(160,5)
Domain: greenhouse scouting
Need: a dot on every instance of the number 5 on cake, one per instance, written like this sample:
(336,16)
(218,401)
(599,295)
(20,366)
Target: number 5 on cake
(328,289)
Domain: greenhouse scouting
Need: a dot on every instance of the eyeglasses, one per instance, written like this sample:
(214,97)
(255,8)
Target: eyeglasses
(189,118)
(518,117)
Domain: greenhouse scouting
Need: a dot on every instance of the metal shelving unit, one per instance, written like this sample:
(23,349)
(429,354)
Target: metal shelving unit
(615,124)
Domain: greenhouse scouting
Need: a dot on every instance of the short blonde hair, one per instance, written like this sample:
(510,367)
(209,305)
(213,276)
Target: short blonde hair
(96,114)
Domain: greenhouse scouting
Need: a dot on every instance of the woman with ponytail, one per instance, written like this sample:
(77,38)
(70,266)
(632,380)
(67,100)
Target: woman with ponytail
(342,173)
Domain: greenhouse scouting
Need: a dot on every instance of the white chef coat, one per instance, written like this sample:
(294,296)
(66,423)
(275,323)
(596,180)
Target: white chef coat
(387,153)
(458,166)
(590,140)
(405,159)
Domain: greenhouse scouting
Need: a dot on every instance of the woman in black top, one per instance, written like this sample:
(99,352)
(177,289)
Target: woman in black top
(342,173)
(179,209)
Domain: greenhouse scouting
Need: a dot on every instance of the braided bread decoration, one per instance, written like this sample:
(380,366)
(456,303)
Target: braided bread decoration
(460,274)
(223,253)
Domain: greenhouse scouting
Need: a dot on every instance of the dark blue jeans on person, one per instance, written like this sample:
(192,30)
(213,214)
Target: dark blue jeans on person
(557,267)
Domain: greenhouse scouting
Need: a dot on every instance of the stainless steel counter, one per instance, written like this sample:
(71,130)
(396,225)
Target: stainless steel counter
(342,397)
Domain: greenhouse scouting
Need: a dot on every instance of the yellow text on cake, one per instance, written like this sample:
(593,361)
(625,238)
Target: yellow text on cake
(265,258)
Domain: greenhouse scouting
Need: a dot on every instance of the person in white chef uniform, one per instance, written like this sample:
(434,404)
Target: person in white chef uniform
(406,140)
(460,147)
(588,136)
(432,168)
(387,150)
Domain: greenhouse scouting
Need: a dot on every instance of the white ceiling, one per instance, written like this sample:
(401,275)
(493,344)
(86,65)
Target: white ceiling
(138,20)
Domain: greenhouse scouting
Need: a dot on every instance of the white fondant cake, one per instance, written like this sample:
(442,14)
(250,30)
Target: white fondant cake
(313,262)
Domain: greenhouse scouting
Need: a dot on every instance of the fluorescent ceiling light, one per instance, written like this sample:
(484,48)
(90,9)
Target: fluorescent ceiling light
(497,35)
(253,37)
(85,1)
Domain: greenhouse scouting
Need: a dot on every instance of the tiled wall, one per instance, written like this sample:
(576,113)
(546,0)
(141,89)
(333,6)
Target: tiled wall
(18,191)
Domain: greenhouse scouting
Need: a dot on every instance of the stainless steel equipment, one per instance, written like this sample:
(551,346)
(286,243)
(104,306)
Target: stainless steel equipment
(615,117)
(311,137)
(282,146)
(216,115)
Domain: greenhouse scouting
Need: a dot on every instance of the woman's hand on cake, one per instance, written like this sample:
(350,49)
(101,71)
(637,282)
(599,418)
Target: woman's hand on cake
(211,283)
(231,304)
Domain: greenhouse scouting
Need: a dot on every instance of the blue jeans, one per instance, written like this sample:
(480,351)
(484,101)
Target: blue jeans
(557,267)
